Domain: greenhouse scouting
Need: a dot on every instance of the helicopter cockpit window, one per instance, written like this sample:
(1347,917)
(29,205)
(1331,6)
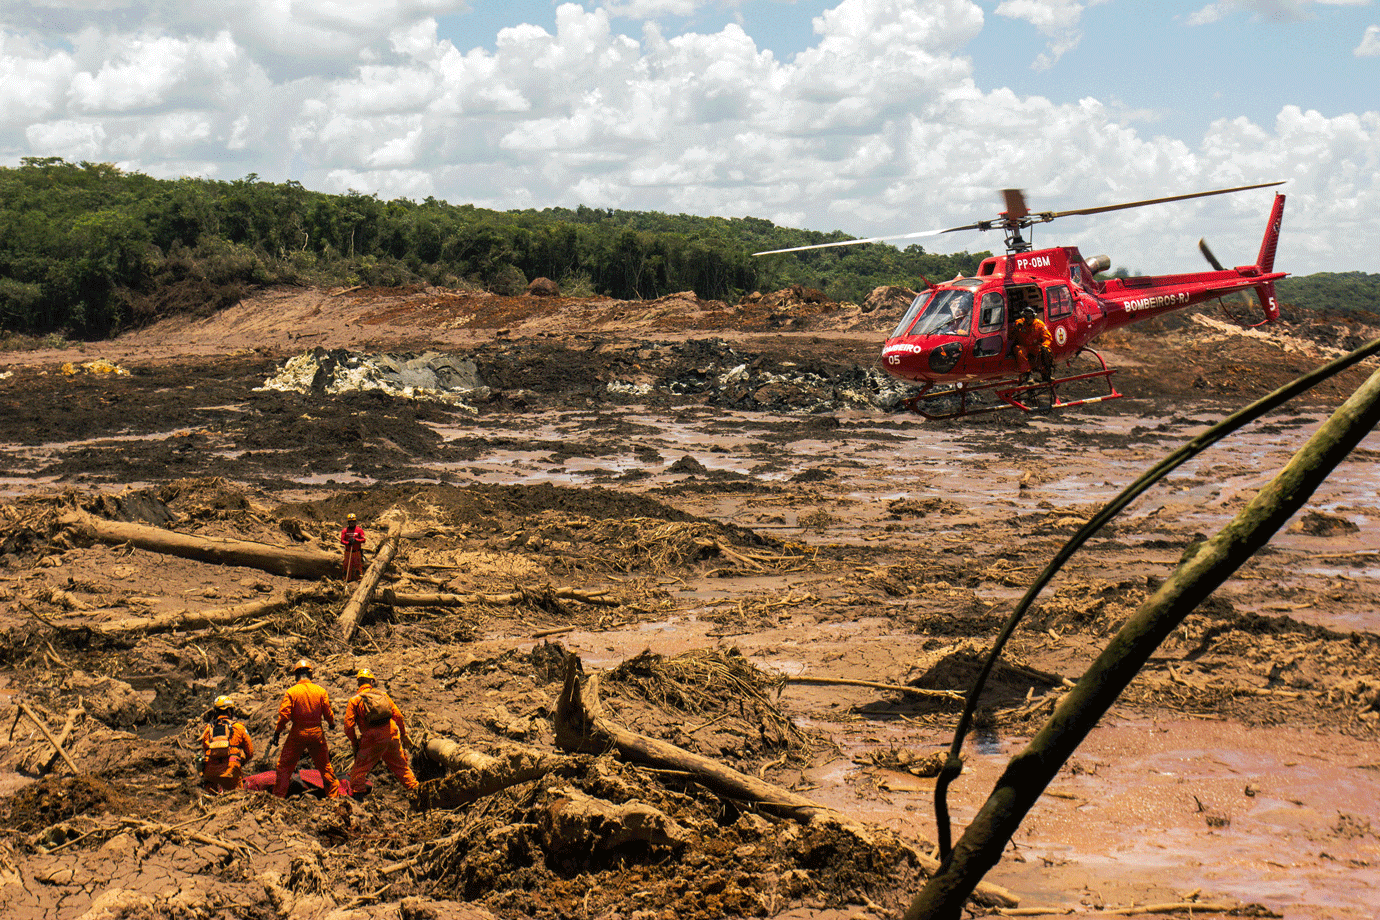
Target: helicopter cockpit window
(992,313)
(1058,301)
(916,306)
(948,313)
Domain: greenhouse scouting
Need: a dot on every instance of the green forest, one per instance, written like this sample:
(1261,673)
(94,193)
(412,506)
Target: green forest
(87,250)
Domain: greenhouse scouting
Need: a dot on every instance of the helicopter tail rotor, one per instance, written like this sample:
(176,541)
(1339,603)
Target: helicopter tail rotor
(1265,293)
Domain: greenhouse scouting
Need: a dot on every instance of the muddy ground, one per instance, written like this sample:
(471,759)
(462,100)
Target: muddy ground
(739,482)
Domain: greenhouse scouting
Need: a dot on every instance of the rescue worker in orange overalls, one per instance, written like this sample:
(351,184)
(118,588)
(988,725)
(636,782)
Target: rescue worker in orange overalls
(305,705)
(352,538)
(382,734)
(225,744)
(1032,344)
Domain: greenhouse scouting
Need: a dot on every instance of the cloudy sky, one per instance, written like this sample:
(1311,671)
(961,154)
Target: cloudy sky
(870,116)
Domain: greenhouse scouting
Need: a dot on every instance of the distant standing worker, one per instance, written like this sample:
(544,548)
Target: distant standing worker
(382,733)
(305,705)
(352,538)
(225,744)
(1032,344)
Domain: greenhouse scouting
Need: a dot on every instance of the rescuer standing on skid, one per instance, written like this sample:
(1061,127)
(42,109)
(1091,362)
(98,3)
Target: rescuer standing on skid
(225,745)
(352,538)
(305,705)
(382,734)
(1032,344)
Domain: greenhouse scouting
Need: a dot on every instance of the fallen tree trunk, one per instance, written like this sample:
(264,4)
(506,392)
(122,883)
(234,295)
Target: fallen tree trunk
(200,619)
(474,774)
(581,726)
(293,562)
(354,610)
(440,599)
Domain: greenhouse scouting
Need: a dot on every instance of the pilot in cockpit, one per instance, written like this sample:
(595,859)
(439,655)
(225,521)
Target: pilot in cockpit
(957,324)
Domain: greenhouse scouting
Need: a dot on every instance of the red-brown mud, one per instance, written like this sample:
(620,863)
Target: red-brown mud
(729,475)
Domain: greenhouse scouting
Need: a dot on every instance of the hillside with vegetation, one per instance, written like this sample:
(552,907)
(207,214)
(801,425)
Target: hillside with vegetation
(87,250)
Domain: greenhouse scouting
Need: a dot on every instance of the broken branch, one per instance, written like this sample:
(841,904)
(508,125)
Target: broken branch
(76,771)
(875,685)
(404,599)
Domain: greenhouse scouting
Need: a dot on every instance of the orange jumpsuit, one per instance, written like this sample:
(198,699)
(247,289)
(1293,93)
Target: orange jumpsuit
(305,705)
(1032,346)
(375,743)
(222,771)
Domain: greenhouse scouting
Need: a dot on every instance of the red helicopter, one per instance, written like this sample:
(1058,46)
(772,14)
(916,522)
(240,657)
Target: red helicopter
(960,339)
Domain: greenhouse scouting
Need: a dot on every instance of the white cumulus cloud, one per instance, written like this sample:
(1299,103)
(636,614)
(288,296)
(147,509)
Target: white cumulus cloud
(1370,43)
(878,126)
(1057,20)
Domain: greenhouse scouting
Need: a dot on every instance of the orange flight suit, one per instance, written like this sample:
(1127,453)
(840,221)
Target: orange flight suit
(1032,346)
(377,742)
(305,705)
(222,772)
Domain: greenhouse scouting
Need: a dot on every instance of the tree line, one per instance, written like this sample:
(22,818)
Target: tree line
(87,249)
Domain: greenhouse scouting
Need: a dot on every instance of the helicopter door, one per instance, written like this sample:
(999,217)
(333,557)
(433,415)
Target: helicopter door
(1059,314)
(990,345)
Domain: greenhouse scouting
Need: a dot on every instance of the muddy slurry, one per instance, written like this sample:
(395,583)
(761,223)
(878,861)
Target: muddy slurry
(665,571)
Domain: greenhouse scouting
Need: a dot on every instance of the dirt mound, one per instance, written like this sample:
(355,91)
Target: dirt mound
(889,298)
(56,799)
(509,854)
(1009,683)
(719,690)
(1321,524)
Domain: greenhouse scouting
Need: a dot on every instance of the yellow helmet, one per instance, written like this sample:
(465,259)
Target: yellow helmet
(302,665)
(365,675)
(350,517)
(224,702)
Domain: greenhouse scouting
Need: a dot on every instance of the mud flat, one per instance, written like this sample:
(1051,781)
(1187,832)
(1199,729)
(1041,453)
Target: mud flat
(704,503)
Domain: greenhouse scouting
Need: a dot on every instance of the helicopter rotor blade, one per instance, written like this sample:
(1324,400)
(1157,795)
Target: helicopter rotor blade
(1050,215)
(874,239)
(1207,254)
(1018,215)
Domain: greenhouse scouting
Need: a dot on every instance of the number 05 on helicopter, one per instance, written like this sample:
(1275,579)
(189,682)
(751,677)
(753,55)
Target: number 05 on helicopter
(1034,311)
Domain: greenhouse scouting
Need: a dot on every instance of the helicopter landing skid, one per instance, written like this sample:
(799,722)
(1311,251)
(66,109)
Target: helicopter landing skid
(1012,392)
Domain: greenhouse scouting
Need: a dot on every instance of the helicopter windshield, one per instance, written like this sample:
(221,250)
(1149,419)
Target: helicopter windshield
(948,313)
(916,306)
